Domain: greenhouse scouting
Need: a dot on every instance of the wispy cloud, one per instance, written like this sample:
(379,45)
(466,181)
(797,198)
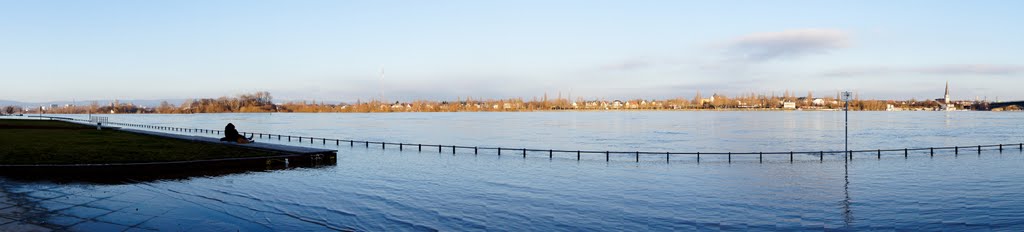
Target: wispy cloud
(949,69)
(787,44)
(974,69)
(628,65)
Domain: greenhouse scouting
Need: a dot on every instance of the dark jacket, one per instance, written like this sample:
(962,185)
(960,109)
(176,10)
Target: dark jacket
(230,134)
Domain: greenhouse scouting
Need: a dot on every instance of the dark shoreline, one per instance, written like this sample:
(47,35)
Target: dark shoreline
(277,157)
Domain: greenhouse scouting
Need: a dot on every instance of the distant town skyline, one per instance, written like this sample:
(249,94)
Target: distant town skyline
(335,51)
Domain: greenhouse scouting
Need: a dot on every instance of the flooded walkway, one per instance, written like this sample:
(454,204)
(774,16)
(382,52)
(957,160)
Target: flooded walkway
(18,215)
(52,209)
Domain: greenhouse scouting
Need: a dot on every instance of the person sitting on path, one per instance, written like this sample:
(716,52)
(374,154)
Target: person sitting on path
(231,135)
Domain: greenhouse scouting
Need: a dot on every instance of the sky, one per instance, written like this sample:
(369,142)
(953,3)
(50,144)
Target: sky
(442,50)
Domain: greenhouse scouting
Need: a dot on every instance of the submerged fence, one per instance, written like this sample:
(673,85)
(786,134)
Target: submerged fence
(551,152)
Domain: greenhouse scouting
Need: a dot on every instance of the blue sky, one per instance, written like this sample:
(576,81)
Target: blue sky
(335,50)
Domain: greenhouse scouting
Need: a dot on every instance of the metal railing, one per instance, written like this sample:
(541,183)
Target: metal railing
(441,148)
(98,119)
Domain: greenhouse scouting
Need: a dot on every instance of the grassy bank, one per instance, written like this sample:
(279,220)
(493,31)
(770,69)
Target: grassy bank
(55,142)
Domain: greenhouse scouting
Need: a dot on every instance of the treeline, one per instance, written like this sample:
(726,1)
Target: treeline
(244,103)
(263,102)
(254,102)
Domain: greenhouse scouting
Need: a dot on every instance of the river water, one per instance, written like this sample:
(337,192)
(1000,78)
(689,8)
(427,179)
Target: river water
(372,189)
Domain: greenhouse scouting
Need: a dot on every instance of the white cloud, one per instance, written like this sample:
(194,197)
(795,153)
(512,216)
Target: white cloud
(766,46)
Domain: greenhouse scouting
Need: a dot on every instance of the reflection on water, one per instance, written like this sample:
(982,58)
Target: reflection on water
(373,189)
(847,213)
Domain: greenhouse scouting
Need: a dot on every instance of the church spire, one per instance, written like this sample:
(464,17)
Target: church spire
(947,93)
(946,101)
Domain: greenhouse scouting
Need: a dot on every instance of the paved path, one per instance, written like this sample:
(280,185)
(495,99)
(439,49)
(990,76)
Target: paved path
(257,145)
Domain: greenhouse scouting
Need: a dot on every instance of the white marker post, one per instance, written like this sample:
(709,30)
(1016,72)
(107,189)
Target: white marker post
(846,137)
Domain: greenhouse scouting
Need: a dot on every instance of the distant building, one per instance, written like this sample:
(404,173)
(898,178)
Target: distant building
(789,105)
(616,104)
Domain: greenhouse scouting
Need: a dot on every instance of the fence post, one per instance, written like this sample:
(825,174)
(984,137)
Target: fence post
(904,153)
(931,151)
(551,154)
(956,150)
(475,151)
(439,148)
(1000,147)
(367,144)
(499,151)
(666,157)
(420,147)
(760,157)
(524,152)
(325,141)
(730,157)
(637,156)
(453,149)
(606,156)
(577,155)
(289,138)
(698,157)
(821,156)
(879,153)
(979,149)
(791,156)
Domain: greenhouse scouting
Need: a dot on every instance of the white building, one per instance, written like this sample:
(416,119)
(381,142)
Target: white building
(818,102)
(617,104)
(789,105)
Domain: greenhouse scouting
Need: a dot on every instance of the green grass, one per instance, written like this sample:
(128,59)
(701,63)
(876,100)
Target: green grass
(55,142)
